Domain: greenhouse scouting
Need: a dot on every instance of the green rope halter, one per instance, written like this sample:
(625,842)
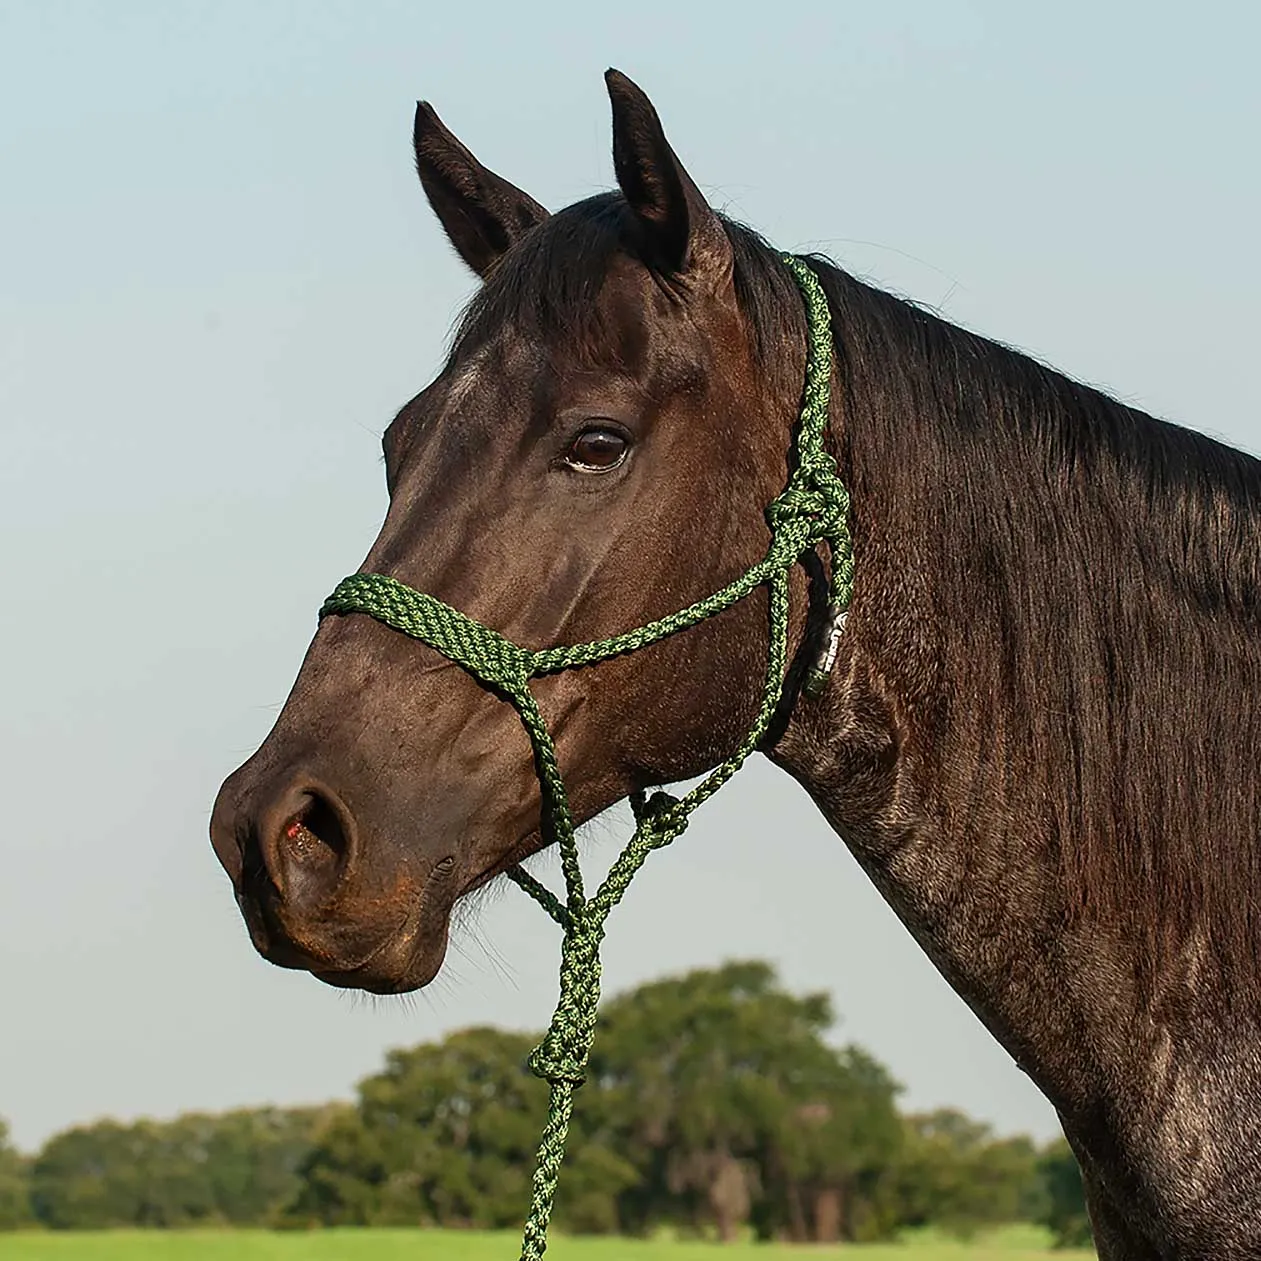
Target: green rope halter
(812,509)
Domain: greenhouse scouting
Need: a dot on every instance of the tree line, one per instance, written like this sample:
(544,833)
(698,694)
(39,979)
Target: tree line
(714,1105)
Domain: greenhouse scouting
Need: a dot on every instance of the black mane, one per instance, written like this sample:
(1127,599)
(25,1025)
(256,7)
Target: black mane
(1089,579)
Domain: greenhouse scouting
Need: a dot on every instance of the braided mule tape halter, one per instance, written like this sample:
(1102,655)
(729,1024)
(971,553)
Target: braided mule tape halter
(812,509)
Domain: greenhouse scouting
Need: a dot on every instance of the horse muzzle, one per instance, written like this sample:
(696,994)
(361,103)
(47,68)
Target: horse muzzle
(296,856)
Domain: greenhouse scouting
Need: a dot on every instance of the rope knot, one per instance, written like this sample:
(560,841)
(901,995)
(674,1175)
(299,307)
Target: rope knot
(566,1046)
(811,508)
(660,818)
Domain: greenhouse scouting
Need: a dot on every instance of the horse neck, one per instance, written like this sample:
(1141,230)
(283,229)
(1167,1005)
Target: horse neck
(971,735)
(1038,741)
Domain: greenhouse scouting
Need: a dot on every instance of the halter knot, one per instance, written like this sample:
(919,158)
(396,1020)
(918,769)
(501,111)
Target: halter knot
(566,1046)
(659,818)
(810,509)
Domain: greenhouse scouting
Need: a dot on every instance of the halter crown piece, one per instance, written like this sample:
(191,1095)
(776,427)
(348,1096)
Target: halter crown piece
(812,509)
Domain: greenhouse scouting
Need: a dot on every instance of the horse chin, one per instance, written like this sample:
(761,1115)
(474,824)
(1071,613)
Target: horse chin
(404,963)
(408,956)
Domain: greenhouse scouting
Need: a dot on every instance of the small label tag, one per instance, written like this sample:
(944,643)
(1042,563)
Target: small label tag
(817,676)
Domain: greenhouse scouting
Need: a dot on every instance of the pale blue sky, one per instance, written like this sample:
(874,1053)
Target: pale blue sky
(219,279)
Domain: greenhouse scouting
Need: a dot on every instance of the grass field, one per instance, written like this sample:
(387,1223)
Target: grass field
(1016,1244)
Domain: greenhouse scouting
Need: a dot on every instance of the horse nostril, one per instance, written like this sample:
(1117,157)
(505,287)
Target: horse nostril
(311,849)
(314,837)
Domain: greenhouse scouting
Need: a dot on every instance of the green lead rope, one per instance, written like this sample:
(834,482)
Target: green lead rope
(812,509)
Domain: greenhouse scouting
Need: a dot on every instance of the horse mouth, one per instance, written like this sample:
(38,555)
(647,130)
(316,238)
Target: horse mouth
(411,954)
(404,961)
(348,947)
(526,847)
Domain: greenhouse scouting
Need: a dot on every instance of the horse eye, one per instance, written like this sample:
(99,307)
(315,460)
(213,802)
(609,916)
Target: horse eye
(597,450)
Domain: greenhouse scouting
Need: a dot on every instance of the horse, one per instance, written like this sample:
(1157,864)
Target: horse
(1038,732)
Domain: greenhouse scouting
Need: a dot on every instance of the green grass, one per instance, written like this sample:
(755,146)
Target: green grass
(1015,1244)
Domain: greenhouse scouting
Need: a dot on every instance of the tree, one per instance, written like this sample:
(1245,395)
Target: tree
(95,1176)
(237,1167)
(249,1157)
(15,1189)
(719,1087)
(1065,1207)
(956,1175)
(835,1154)
(714,1103)
(445,1135)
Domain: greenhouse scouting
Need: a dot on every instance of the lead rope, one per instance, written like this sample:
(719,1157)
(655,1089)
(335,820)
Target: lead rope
(812,509)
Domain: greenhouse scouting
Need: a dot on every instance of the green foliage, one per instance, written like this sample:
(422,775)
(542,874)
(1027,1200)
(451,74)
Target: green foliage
(446,1134)
(15,1183)
(721,1090)
(1064,1212)
(954,1174)
(715,1108)
(237,1167)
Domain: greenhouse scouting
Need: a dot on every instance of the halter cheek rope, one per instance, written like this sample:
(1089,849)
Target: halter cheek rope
(812,509)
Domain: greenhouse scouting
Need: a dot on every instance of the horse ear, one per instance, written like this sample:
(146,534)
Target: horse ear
(483,214)
(682,234)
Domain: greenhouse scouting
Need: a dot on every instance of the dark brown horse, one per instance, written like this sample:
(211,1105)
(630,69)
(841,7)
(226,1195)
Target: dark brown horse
(1041,734)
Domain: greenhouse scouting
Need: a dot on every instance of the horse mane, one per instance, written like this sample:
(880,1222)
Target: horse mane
(1088,590)
(1077,588)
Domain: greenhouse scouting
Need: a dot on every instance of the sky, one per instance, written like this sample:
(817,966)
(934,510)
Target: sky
(219,280)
